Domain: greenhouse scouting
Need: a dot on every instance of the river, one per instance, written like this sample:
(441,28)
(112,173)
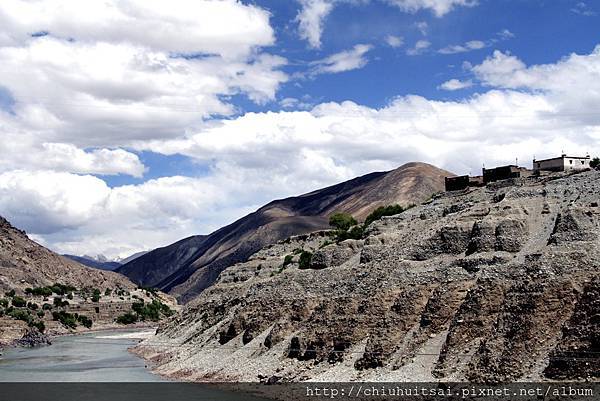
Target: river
(93,357)
(89,363)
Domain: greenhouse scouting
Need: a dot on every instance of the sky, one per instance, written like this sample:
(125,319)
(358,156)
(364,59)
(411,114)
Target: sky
(126,125)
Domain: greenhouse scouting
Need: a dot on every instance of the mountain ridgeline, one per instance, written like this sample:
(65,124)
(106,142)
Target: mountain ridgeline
(187,267)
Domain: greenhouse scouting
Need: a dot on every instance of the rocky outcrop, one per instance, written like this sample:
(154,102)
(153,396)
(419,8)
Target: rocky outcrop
(335,255)
(33,338)
(502,287)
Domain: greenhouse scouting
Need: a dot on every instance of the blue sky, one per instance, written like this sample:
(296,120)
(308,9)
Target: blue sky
(131,124)
(538,31)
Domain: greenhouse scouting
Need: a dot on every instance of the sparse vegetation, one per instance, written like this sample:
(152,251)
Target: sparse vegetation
(127,318)
(356,232)
(287,260)
(66,319)
(39,325)
(18,302)
(85,321)
(383,211)
(96,295)
(4,302)
(59,303)
(342,221)
(10,294)
(348,228)
(142,311)
(21,314)
(595,162)
(305,260)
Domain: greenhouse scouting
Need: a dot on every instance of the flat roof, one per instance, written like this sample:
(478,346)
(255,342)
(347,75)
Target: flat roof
(561,157)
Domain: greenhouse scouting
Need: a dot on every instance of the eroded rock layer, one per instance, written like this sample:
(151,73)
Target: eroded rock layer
(497,283)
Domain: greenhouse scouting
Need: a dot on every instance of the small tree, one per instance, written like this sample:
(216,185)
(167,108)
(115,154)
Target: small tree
(287,260)
(305,260)
(595,163)
(383,211)
(18,302)
(342,221)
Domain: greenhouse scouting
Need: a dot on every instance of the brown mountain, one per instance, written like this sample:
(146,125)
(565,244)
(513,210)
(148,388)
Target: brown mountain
(189,266)
(25,263)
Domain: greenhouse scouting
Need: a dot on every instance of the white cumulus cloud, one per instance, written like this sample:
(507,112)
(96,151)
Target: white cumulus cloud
(419,48)
(455,84)
(343,61)
(311,18)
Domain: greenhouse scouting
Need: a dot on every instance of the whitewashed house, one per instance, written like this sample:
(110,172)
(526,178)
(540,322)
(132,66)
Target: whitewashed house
(562,163)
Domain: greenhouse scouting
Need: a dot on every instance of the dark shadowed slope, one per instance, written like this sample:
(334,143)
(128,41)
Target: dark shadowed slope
(190,265)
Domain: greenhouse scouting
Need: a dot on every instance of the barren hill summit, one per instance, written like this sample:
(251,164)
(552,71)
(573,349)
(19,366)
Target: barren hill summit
(187,267)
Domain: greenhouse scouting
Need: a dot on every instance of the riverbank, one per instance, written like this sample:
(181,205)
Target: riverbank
(143,331)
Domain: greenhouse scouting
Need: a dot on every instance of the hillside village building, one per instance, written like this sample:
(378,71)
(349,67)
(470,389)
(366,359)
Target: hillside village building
(562,163)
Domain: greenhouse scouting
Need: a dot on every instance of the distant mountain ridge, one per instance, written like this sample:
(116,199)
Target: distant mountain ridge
(90,262)
(188,266)
(102,262)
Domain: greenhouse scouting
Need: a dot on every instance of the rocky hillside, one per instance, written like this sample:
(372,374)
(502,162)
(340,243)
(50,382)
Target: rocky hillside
(495,283)
(41,291)
(25,263)
(187,267)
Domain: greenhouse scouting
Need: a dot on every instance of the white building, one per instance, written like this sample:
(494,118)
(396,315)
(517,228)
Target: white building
(562,163)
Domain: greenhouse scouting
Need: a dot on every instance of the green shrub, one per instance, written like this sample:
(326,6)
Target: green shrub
(107,292)
(287,260)
(383,211)
(10,294)
(21,314)
(164,308)
(46,306)
(4,302)
(85,321)
(355,232)
(305,260)
(128,318)
(41,313)
(41,291)
(62,289)
(18,302)
(32,305)
(39,324)
(342,221)
(595,163)
(70,295)
(96,298)
(59,303)
(66,319)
